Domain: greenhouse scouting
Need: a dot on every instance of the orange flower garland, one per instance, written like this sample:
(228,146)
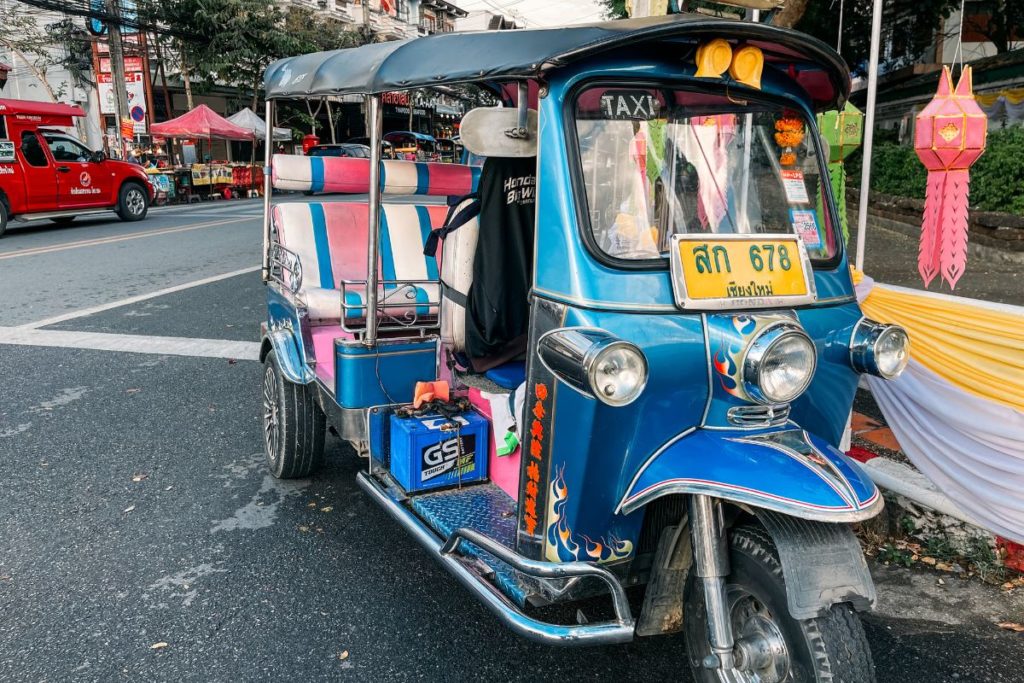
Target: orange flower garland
(789,132)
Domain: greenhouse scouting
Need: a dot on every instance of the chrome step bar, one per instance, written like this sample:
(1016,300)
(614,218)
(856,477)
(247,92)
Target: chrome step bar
(69,213)
(620,630)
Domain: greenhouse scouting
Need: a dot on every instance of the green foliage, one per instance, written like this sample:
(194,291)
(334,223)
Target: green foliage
(616,8)
(997,178)
(890,554)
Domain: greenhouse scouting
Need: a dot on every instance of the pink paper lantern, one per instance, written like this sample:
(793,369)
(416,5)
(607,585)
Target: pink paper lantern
(949,137)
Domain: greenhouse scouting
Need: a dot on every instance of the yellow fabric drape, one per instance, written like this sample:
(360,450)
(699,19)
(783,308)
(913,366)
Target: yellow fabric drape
(977,349)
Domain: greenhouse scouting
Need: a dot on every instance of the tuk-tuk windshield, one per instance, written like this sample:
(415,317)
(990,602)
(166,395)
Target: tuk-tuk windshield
(658,162)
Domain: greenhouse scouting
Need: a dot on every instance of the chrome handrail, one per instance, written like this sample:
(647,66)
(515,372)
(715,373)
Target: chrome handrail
(602,633)
(408,320)
(283,261)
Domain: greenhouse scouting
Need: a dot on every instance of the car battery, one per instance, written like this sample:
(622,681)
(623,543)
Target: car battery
(426,453)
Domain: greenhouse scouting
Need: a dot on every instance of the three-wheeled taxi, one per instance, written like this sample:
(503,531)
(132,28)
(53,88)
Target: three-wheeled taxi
(620,354)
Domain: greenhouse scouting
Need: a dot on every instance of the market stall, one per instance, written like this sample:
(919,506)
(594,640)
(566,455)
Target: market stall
(250,178)
(202,123)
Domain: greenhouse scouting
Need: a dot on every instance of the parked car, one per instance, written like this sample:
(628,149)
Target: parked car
(47,174)
(346,149)
(387,150)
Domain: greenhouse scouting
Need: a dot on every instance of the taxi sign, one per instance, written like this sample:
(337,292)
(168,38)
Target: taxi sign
(716,272)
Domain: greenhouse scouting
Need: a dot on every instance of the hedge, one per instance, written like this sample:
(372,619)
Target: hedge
(997,178)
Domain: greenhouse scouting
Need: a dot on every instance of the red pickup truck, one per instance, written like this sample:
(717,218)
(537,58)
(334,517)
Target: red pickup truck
(47,174)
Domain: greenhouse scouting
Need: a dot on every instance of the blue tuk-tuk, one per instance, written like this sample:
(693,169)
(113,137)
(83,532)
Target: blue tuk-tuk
(621,354)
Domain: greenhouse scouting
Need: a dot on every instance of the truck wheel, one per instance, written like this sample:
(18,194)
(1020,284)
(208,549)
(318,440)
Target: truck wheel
(132,202)
(293,425)
(3,217)
(772,646)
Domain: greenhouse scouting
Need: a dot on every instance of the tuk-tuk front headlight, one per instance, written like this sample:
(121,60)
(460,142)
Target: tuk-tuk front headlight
(595,363)
(779,364)
(879,349)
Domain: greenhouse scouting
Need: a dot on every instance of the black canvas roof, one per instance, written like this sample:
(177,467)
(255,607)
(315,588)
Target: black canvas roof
(478,56)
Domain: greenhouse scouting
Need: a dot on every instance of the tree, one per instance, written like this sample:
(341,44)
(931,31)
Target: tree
(1001,22)
(42,47)
(909,28)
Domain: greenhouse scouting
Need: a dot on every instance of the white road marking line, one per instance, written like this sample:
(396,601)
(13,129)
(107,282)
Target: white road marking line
(132,343)
(133,299)
(49,249)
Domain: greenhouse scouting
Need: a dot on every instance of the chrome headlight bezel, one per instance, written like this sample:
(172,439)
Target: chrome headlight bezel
(760,349)
(574,355)
(865,343)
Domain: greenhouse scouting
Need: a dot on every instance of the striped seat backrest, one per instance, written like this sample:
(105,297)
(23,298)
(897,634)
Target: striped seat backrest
(330,239)
(352,176)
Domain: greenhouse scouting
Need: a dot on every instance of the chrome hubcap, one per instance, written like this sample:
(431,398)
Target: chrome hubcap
(135,202)
(761,652)
(271,417)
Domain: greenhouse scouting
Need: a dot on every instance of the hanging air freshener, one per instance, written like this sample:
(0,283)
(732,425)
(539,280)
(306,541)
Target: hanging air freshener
(843,131)
(949,137)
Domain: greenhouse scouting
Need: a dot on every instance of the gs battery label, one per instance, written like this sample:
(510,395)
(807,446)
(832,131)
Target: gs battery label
(443,457)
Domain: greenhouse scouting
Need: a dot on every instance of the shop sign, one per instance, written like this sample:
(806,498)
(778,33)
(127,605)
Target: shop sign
(399,98)
(130,64)
(405,110)
(135,84)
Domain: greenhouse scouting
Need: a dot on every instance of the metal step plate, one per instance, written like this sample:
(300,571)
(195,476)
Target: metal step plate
(487,509)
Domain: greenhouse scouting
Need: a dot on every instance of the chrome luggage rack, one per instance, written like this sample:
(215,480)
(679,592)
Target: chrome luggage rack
(397,306)
(285,267)
(446,551)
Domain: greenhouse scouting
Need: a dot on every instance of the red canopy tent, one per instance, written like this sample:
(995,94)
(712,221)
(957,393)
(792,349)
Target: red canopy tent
(201,122)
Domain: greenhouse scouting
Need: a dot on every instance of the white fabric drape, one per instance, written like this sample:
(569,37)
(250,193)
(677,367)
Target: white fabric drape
(971,448)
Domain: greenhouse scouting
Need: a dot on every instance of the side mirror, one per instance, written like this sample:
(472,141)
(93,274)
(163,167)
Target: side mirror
(98,157)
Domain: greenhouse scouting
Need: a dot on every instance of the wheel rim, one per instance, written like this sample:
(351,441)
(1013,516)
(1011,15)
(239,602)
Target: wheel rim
(761,652)
(271,416)
(135,202)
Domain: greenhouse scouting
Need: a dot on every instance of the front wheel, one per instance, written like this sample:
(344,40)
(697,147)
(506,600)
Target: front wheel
(772,646)
(294,426)
(3,216)
(132,202)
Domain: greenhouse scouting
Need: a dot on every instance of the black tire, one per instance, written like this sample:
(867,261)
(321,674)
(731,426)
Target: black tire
(132,202)
(4,216)
(294,426)
(831,648)
(63,220)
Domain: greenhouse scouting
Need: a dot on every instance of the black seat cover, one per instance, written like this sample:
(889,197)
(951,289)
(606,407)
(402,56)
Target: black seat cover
(498,311)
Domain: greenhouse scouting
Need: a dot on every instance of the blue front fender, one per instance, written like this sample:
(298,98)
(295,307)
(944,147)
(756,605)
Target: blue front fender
(790,471)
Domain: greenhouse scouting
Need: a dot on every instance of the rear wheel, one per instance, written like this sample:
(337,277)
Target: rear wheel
(772,646)
(4,216)
(293,425)
(132,202)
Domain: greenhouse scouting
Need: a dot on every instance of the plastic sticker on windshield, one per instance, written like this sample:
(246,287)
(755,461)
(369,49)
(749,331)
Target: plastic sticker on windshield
(805,224)
(796,189)
(6,152)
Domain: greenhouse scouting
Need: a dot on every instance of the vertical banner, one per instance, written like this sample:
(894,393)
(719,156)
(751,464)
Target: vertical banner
(135,84)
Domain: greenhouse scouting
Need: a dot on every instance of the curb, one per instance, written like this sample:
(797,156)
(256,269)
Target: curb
(906,481)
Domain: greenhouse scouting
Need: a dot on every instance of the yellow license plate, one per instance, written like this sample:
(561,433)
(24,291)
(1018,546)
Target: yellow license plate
(740,271)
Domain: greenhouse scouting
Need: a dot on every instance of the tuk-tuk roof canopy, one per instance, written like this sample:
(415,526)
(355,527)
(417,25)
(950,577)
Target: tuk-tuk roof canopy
(482,56)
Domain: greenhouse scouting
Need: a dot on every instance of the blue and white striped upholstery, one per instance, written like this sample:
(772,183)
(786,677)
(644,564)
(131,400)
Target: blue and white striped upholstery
(330,240)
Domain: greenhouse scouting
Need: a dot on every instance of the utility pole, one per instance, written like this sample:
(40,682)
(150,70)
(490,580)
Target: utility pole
(117,68)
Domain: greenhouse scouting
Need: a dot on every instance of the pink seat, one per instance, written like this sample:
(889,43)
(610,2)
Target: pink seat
(351,175)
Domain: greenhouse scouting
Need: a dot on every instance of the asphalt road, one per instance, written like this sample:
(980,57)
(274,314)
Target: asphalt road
(135,509)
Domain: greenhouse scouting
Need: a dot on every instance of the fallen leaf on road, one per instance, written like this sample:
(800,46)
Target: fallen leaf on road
(312,505)
(129,508)
(929,560)
(158,646)
(327,509)
(132,391)
(303,528)
(944,567)
(139,477)
(343,656)
(1011,626)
